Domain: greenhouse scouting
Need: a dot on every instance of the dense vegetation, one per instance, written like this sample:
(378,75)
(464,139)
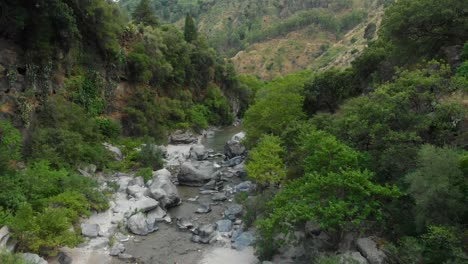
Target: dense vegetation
(93,74)
(378,144)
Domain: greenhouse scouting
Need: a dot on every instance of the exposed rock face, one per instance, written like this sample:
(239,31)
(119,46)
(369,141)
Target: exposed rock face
(234,147)
(198,153)
(115,150)
(195,173)
(90,230)
(182,137)
(6,241)
(370,251)
(163,190)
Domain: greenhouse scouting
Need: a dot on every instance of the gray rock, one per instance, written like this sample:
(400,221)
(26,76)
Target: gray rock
(352,258)
(121,237)
(219,197)
(145,204)
(115,150)
(182,137)
(312,228)
(117,249)
(206,233)
(156,215)
(63,258)
(244,240)
(247,187)
(233,211)
(370,251)
(211,185)
(139,225)
(234,147)
(99,243)
(90,230)
(233,161)
(33,258)
(139,181)
(163,189)
(203,209)
(196,173)
(198,153)
(6,241)
(184,223)
(224,225)
(136,191)
(126,257)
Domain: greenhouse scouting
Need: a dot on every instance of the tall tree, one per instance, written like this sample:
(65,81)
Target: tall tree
(145,14)
(190,30)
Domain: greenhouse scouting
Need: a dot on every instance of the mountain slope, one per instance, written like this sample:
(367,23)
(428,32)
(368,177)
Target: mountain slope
(271,38)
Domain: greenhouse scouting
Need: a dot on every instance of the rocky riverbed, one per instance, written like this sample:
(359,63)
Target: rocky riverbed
(185,214)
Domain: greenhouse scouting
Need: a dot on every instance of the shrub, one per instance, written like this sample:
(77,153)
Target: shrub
(109,127)
(198,117)
(151,156)
(146,173)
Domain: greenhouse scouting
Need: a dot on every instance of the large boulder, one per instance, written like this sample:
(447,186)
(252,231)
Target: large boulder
(233,211)
(145,204)
(244,240)
(136,191)
(163,190)
(90,230)
(115,150)
(224,225)
(182,137)
(205,234)
(33,258)
(139,225)
(198,153)
(196,173)
(156,215)
(370,251)
(6,241)
(234,147)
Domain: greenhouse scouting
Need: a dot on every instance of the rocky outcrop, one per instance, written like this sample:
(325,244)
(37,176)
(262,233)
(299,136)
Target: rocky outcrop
(370,250)
(115,150)
(163,190)
(198,153)
(182,137)
(195,173)
(234,147)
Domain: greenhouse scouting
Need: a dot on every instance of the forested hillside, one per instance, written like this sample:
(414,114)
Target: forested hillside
(75,74)
(374,150)
(272,38)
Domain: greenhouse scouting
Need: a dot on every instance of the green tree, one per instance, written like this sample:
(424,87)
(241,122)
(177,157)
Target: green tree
(145,14)
(424,26)
(10,144)
(439,187)
(190,29)
(265,165)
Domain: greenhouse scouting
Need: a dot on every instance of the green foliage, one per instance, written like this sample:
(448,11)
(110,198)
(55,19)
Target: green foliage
(369,32)
(220,111)
(393,121)
(151,156)
(87,91)
(424,26)
(327,90)
(10,144)
(144,13)
(12,258)
(198,117)
(43,232)
(438,187)
(265,165)
(146,173)
(190,29)
(278,105)
(108,127)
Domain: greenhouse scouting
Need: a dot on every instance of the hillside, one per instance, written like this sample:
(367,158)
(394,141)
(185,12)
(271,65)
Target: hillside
(272,38)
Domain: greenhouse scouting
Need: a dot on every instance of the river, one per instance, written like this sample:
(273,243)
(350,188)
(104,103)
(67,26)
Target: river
(170,245)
